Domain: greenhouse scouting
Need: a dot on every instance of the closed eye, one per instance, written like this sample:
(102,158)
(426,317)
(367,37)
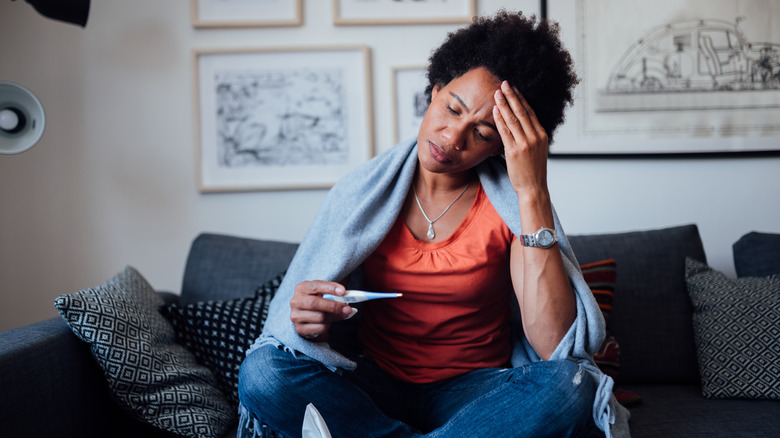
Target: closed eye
(484,137)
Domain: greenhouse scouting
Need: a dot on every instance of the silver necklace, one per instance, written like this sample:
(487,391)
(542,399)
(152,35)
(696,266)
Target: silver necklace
(431,234)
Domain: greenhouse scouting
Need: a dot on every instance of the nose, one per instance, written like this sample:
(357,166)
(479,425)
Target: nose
(455,135)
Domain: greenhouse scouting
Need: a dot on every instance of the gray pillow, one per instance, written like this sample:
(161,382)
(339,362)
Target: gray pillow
(651,313)
(151,377)
(737,332)
(221,267)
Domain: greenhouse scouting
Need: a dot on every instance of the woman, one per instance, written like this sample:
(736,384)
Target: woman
(495,331)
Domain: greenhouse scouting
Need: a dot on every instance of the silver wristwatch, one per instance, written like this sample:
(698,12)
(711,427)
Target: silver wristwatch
(542,238)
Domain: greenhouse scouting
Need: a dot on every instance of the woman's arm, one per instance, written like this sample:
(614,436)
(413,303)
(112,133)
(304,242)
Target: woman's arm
(547,302)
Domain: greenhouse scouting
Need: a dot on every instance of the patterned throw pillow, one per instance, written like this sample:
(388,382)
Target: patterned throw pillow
(150,376)
(737,332)
(600,277)
(219,332)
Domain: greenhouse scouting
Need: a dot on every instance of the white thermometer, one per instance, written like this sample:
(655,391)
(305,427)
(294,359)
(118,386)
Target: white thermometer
(357,296)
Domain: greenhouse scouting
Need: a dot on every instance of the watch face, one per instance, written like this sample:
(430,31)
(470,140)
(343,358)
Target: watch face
(545,238)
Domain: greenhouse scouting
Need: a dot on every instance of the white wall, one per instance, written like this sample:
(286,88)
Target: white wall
(112,182)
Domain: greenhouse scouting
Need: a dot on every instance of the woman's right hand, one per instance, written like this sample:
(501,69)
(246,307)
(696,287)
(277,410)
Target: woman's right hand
(311,314)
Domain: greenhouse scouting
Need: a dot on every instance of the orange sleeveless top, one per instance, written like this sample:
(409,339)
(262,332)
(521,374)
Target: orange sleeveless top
(454,315)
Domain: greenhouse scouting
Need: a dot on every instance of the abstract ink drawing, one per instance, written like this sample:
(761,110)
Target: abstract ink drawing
(281,117)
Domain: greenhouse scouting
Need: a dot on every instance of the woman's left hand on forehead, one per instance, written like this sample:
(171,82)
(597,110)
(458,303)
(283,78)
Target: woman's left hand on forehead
(525,141)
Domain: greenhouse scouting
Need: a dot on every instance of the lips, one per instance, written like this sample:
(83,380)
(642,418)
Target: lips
(438,154)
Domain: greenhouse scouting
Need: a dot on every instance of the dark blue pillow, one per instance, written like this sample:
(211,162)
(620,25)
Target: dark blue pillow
(757,255)
(218,332)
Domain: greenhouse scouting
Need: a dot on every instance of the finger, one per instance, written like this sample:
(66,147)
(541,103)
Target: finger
(520,111)
(308,316)
(319,287)
(509,127)
(312,325)
(305,307)
(514,94)
(308,297)
(517,99)
(509,122)
(507,138)
(313,332)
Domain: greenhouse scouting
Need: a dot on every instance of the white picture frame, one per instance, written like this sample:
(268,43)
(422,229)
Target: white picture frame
(303,123)
(409,101)
(362,12)
(246,13)
(724,116)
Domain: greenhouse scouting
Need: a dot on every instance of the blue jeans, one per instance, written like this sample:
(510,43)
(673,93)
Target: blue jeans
(553,398)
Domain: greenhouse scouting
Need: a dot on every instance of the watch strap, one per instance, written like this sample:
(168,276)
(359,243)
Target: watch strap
(533,238)
(528,239)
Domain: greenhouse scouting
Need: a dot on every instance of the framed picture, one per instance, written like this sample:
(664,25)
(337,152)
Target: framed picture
(678,77)
(409,101)
(281,118)
(348,12)
(246,13)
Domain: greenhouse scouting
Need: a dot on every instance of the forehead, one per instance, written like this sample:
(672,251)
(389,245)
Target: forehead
(478,80)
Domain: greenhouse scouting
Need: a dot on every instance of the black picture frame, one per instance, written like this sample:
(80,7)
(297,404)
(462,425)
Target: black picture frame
(575,138)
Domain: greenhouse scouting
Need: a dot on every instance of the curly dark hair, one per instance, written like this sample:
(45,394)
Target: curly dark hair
(526,52)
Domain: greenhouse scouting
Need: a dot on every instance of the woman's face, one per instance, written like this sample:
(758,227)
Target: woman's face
(458,131)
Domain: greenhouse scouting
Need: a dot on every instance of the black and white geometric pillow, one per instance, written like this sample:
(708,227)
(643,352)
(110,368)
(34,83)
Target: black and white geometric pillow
(219,332)
(737,332)
(151,377)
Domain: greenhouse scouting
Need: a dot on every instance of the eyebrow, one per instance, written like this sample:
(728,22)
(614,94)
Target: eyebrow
(466,107)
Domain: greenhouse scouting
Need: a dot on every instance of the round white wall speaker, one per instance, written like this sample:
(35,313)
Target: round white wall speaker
(21,118)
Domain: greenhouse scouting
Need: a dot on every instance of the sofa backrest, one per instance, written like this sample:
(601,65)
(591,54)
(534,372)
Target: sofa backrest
(651,314)
(221,267)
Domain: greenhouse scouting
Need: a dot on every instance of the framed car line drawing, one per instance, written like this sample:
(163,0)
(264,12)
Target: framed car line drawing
(359,12)
(281,118)
(246,13)
(680,77)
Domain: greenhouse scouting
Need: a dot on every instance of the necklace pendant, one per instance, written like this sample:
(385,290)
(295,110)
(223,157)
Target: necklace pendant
(431,234)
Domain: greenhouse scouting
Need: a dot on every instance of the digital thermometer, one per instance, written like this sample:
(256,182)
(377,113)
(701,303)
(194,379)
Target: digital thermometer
(357,296)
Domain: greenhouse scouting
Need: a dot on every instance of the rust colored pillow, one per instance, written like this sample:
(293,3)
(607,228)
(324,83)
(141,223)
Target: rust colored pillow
(601,277)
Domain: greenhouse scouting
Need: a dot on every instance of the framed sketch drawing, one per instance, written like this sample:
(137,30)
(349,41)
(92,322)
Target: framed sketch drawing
(679,77)
(409,101)
(246,13)
(348,12)
(281,118)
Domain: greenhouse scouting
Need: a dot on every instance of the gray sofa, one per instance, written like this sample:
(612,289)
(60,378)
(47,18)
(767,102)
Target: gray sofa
(51,386)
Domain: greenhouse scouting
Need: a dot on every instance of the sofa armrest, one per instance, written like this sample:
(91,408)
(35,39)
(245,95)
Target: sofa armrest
(49,383)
